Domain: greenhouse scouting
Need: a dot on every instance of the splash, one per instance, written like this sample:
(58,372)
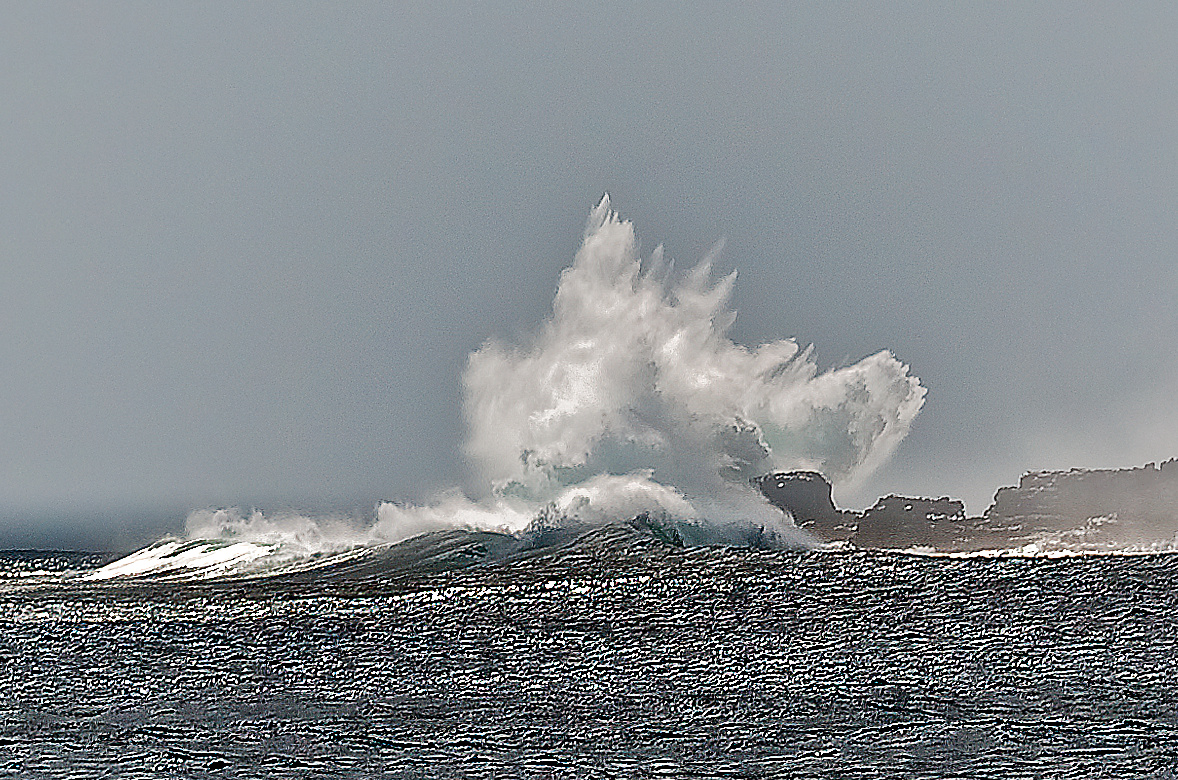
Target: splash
(631,399)
(635,370)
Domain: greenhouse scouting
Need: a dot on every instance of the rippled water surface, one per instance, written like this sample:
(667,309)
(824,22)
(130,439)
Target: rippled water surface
(602,661)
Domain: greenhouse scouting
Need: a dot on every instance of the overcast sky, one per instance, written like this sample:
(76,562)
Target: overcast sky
(245,248)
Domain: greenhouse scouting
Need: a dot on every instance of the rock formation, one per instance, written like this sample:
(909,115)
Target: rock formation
(1076,509)
(900,521)
(806,495)
(1136,506)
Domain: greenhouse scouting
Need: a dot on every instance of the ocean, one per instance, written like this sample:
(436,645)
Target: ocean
(614,654)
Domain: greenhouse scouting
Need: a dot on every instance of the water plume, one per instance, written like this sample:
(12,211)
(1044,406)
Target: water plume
(634,373)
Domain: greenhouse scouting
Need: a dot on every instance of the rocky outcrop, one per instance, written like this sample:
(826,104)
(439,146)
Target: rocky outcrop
(894,522)
(1137,505)
(806,496)
(902,522)
(1106,508)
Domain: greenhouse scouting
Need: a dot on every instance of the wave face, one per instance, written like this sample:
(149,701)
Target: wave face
(631,400)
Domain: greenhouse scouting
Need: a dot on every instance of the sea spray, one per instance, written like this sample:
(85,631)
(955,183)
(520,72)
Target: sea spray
(631,399)
(634,370)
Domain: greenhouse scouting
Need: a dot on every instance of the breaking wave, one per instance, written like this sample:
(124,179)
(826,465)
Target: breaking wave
(629,400)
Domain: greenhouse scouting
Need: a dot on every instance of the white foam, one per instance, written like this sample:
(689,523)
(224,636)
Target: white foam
(1039,550)
(208,558)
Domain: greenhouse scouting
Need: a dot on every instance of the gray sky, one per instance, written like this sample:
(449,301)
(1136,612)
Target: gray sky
(246,248)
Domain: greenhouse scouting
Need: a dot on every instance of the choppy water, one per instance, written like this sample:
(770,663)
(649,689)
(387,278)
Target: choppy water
(614,656)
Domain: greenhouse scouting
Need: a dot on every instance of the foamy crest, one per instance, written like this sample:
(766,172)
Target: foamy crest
(395,522)
(607,497)
(295,533)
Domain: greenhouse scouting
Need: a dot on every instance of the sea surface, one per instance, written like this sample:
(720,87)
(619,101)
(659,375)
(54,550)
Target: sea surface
(612,655)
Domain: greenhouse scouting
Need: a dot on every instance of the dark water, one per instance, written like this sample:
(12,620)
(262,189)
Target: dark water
(609,658)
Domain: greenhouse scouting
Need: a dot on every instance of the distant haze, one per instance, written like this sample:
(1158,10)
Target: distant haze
(246,249)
